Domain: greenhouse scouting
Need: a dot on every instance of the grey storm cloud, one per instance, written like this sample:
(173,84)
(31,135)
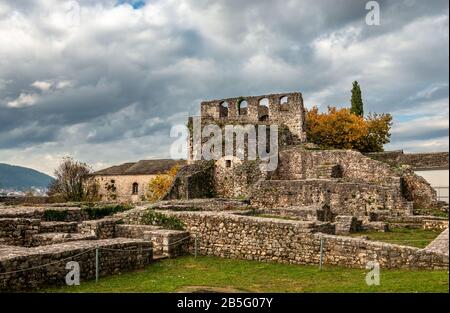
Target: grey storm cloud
(104,81)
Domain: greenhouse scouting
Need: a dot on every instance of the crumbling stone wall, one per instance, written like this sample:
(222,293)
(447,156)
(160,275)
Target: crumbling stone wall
(116,255)
(343,198)
(165,242)
(416,160)
(18,231)
(101,229)
(71,214)
(290,114)
(297,163)
(298,242)
(416,188)
(234,178)
(193,181)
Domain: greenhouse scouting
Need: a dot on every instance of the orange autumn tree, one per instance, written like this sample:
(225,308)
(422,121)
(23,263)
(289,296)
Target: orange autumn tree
(341,129)
(158,186)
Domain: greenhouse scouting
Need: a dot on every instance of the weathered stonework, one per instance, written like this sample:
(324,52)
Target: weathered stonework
(18,231)
(344,198)
(440,244)
(193,181)
(287,241)
(430,224)
(120,187)
(418,161)
(170,243)
(101,229)
(58,227)
(31,268)
(72,214)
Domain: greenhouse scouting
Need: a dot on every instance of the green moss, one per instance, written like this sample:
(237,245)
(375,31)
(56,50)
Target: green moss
(152,217)
(55,215)
(403,236)
(96,212)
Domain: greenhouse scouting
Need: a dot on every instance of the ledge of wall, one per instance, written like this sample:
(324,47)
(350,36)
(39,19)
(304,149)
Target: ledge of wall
(130,254)
(418,161)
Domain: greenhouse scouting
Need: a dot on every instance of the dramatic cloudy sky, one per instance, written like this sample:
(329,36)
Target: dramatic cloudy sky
(105,80)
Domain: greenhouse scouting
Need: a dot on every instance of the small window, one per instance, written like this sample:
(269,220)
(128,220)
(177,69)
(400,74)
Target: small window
(223,109)
(284,104)
(135,188)
(242,107)
(228,163)
(263,110)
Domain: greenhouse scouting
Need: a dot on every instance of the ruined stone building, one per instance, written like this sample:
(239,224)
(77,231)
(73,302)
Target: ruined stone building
(349,182)
(128,182)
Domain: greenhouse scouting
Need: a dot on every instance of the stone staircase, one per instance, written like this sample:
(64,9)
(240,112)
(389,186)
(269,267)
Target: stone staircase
(58,232)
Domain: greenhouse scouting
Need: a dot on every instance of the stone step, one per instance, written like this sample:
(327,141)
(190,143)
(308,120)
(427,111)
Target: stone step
(43,239)
(301,213)
(160,257)
(58,227)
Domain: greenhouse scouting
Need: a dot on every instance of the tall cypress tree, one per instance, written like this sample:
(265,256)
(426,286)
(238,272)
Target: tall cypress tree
(356,101)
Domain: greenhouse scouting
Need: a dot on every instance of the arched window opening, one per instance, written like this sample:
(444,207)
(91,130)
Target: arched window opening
(284,103)
(263,110)
(242,107)
(223,109)
(135,189)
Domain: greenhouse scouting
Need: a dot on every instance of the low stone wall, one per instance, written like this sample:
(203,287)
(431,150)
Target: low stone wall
(133,231)
(416,160)
(43,239)
(343,198)
(440,244)
(171,243)
(58,227)
(265,239)
(302,213)
(116,255)
(434,224)
(18,231)
(213,204)
(417,221)
(165,242)
(72,214)
(101,229)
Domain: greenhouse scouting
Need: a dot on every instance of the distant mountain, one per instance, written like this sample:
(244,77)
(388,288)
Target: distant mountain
(22,178)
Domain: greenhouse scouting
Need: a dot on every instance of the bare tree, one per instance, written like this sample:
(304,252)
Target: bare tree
(72,181)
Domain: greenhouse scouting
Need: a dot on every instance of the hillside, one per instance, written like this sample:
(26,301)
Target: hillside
(21,178)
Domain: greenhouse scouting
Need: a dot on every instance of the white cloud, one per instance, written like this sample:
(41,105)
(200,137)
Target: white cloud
(42,85)
(23,100)
(110,86)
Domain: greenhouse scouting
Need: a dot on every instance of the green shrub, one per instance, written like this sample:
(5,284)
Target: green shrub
(96,212)
(55,215)
(158,219)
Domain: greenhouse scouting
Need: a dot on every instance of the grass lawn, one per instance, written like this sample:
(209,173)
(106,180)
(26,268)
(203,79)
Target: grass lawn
(172,275)
(403,236)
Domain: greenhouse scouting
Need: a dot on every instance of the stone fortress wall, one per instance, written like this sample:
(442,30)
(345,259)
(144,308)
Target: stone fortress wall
(34,252)
(236,235)
(418,161)
(264,108)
